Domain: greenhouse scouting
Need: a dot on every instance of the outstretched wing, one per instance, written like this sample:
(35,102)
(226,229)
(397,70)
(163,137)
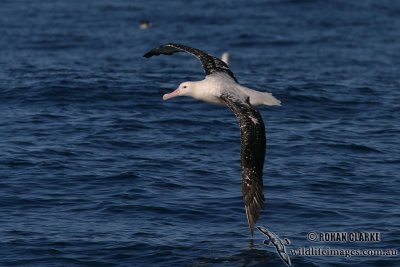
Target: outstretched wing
(265,231)
(210,63)
(252,154)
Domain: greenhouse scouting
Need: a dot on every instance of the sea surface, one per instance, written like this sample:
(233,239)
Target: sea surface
(97,170)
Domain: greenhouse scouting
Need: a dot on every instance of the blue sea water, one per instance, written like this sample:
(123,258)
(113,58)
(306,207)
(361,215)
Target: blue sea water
(96,170)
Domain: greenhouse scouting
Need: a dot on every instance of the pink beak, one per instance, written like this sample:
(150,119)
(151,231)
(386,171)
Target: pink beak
(171,95)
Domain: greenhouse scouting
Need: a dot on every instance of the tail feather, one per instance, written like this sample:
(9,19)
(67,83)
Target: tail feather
(260,98)
(268,99)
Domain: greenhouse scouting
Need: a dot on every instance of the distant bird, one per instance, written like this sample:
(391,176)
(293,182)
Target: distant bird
(225,57)
(221,87)
(145,24)
(279,244)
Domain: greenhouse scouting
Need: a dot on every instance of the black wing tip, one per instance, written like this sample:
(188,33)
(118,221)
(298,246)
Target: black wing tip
(159,50)
(152,53)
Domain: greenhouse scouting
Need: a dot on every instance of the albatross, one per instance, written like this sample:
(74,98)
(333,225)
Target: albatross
(222,88)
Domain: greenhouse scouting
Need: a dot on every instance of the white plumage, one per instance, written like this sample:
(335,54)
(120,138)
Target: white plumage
(213,86)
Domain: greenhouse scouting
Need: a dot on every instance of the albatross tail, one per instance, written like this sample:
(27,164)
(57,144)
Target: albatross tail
(260,98)
(267,99)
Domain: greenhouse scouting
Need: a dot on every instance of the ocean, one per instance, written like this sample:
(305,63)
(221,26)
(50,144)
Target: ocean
(97,170)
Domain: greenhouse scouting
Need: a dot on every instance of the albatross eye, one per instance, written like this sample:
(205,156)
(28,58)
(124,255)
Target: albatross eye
(184,86)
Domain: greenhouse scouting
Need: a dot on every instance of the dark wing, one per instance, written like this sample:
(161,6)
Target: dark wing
(252,154)
(264,231)
(210,63)
(284,256)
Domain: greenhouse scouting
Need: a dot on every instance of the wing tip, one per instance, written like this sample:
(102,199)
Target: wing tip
(148,54)
(249,221)
(161,50)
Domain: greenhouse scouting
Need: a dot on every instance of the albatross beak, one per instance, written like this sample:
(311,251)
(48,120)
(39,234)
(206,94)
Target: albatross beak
(171,95)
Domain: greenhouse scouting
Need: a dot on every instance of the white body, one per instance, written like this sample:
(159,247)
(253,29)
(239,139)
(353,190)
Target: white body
(210,89)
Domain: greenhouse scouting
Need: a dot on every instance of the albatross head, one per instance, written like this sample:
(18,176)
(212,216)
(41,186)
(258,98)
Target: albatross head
(184,89)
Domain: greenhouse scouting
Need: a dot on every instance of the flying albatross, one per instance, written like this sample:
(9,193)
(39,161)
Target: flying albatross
(222,88)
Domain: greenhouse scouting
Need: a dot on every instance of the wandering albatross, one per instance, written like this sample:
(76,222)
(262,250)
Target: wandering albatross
(222,88)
